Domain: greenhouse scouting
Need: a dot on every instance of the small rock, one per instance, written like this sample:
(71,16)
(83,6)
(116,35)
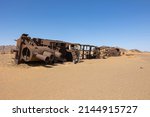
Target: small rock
(141,67)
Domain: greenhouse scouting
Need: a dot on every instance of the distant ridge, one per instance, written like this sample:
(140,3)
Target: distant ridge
(135,50)
(5,49)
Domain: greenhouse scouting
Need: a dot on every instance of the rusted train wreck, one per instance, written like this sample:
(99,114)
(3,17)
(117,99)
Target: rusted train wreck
(50,51)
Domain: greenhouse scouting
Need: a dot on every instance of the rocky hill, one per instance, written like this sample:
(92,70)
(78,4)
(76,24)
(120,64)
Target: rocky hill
(5,49)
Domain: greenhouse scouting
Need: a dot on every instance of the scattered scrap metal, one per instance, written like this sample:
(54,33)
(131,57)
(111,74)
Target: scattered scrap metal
(52,51)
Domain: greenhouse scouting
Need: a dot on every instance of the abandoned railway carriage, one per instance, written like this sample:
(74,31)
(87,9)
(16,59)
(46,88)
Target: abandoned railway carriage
(51,51)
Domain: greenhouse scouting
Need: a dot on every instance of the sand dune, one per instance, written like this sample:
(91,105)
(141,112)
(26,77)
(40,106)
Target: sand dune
(125,77)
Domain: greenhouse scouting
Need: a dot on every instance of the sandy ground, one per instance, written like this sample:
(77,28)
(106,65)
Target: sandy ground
(125,77)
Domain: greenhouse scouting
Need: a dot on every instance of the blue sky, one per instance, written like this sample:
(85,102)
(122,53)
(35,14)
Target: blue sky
(123,23)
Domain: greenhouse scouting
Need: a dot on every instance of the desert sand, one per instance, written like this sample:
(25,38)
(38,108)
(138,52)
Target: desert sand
(115,78)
